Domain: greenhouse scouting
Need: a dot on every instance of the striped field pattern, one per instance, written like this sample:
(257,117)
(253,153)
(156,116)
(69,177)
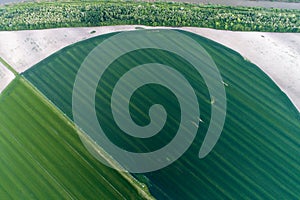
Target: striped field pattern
(258,154)
(42,156)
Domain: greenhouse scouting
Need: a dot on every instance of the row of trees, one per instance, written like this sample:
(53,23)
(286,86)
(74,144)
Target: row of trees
(50,15)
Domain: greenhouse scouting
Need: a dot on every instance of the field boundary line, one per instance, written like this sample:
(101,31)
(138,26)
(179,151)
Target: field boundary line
(141,188)
(10,68)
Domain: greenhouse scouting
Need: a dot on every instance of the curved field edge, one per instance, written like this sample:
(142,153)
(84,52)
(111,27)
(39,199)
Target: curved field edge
(256,156)
(42,156)
(275,53)
(66,14)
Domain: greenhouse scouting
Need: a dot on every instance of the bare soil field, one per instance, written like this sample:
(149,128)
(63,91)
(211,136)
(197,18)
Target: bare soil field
(6,77)
(23,49)
(277,54)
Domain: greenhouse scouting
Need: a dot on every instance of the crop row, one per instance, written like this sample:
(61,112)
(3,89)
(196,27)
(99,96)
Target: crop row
(59,14)
(42,156)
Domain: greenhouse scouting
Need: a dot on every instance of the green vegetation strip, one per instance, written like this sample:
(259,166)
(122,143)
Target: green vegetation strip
(42,156)
(10,68)
(98,13)
(257,156)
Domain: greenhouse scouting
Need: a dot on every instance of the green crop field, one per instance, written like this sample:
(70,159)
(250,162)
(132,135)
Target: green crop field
(257,155)
(42,156)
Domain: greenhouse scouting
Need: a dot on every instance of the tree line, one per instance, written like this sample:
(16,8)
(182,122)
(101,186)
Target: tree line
(69,14)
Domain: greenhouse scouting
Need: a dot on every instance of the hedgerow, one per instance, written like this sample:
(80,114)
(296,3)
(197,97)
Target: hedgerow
(66,14)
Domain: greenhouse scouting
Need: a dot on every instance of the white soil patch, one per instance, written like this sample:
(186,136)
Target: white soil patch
(6,77)
(277,54)
(23,49)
